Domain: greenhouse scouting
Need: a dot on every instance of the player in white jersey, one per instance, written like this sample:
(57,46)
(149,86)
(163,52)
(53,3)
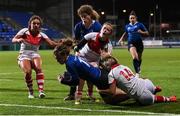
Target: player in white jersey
(142,90)
(30,39)
(93,46)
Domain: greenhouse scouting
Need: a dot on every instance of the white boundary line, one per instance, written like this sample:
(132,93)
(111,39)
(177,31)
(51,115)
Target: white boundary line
(9,73)
(87,110)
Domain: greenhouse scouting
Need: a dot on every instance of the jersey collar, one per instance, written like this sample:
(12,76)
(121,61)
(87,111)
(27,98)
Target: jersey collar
(114,66)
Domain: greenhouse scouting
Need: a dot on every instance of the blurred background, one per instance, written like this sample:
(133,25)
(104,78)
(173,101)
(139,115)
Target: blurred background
(162,19)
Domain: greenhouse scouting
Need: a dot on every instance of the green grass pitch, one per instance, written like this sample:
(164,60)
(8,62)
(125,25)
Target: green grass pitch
(162,66)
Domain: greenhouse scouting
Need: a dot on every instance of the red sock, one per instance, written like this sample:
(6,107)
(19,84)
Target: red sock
(161,99)
(157,89)
(79,93)
(90,92)
(40,81)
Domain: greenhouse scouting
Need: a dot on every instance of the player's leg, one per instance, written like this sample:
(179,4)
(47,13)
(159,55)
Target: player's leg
(159,99)
(134,55)
(25,65)
(71,95)
(37,62)
(140,49)
(90,91)
(151,87)
(67,79)
(79,90)
(89,84)
(146,98)
(119,97)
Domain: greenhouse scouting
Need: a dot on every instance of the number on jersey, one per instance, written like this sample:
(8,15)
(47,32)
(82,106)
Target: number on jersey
(126,73)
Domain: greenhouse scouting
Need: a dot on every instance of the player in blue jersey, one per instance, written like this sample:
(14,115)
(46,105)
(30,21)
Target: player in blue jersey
(78,68)
(89,23)
(135,30)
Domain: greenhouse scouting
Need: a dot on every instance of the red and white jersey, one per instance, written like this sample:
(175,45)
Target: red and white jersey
(31,43)
(92,50)
(126,81)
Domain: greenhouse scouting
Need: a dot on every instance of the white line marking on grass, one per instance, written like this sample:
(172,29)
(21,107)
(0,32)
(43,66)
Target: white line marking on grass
(87,110)
(6,79)
(9,73)
(173,61)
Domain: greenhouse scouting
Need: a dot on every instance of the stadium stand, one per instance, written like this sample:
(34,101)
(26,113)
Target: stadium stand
(11,22)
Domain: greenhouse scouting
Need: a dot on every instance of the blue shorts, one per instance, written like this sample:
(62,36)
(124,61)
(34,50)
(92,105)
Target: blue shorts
(137,44)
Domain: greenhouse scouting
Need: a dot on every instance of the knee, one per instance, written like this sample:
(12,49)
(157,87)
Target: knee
(27,71)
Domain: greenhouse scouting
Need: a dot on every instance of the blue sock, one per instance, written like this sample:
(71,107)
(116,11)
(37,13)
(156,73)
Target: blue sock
(136,65)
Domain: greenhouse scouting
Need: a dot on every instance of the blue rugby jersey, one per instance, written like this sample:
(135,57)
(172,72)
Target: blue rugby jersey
(81,69)
(80,31)
(131,30)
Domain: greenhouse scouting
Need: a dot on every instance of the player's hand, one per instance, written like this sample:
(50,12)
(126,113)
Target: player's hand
(140,31)
(77,53)
(59,78)
(20,40)
(121,43)
(76,49)
(97,90)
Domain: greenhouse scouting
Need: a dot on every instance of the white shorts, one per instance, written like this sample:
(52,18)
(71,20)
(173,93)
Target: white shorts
(27,55)
(149,85)
(147,98)
(147,95)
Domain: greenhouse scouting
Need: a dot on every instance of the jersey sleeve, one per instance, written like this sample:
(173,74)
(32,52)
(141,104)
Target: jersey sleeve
(111,79)
(126,28)
(22,31)
(73,72)
(90,36)
(44,35)
(142,27)
(76,31)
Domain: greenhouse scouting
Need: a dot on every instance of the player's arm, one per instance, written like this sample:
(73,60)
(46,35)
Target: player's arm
(70,77)
(143,30)
(122,38)
(80,45)
(18,38)
(51,42)
(111,90)
(82,42)
(146,33)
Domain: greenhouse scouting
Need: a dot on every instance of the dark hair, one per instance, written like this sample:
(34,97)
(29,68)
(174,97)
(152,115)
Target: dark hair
(69,42)
(35,17)
(61,50)
(133,13)
(107,62)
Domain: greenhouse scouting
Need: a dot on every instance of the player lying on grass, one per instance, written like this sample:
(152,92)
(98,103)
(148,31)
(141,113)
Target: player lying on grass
(142,90)
(78,68)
